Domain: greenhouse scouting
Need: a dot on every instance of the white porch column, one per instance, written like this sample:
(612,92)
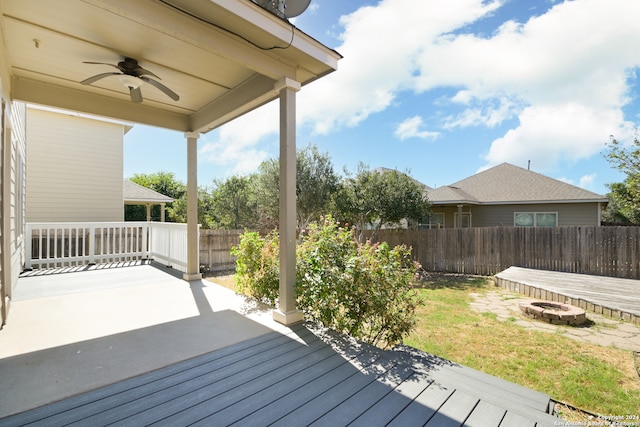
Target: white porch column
(148,212)
(459,224)
(193,261)
(287,312)
(162,206)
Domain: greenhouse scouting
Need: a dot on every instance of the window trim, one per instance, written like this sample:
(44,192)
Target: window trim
(464,214)
(430,224)
(535,219)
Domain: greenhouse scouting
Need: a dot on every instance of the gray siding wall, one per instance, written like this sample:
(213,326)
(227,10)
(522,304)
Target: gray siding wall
(495,215)
(74,168)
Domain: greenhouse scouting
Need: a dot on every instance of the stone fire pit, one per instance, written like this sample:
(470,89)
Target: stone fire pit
(554,312)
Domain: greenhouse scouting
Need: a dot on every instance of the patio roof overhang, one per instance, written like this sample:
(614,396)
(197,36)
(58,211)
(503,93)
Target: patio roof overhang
(222,57)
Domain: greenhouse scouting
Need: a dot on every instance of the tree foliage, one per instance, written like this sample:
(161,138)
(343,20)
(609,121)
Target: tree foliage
(624,197)
(316,185)
(623,207)
(381,197)
(234,203)
(368,199)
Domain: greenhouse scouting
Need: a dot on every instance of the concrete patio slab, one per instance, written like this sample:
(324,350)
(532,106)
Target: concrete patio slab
(132,320)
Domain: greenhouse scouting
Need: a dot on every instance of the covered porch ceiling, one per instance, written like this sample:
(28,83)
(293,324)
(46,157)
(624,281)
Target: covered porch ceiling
(222,57)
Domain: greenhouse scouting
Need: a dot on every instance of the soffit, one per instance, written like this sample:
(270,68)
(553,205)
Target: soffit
(198,48)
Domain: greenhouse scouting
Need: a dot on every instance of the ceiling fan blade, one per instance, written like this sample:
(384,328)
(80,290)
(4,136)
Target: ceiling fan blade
(98,77)
(144,72)
(136,94)
(104,63)
(171,94)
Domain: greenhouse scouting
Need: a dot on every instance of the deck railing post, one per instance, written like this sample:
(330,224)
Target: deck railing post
(29,247)
(92,244)
(145,239)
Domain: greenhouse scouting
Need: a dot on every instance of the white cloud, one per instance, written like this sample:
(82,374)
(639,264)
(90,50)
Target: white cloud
(587,181)
(381,46)
(549,133)
(235,146)
(413,128)
(564,75)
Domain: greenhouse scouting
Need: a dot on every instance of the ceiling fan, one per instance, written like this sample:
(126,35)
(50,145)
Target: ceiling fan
(132,76)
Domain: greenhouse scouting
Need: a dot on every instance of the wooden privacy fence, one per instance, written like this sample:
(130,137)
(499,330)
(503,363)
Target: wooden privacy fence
(215,246)
(606,251)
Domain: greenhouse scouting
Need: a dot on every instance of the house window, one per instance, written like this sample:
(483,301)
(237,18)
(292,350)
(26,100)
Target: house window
(536,219)
(434,220)
(466,219)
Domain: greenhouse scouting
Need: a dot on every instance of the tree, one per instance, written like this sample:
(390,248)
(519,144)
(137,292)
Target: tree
(381,197)
(234,203)
(623,208)
(162,182)
(624,205)
(316,186)
(178,211)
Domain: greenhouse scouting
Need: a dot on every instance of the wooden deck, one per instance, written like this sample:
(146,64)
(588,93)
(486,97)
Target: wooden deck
(610,296)
(303,378)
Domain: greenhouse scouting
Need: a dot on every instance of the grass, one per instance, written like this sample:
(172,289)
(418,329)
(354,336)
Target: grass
(597,379)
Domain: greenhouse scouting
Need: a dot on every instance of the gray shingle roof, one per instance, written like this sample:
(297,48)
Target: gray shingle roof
(135,193)
(507,183)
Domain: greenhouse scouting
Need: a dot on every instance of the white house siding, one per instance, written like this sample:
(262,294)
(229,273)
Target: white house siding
(74,168)
(12,180)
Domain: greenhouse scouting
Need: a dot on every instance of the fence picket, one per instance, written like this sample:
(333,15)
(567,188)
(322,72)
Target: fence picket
(608,251)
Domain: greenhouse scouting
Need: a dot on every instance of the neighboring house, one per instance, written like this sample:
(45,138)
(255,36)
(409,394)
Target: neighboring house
(512,196)
(136,194)
(74,167)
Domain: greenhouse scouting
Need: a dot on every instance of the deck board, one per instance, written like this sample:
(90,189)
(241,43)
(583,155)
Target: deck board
(301,378)
(349,409)
(424,407)
(454,411)
(276,410)
(485,414)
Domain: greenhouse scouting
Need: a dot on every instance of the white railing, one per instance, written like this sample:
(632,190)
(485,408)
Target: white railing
(61,244)
(168,244)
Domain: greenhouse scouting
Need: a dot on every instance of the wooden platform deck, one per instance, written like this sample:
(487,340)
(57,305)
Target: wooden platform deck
(303,378)
(610,296)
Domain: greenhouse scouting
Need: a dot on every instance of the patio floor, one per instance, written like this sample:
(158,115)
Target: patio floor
(177,353)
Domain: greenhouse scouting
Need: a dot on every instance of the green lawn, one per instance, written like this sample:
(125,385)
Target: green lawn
(598,379)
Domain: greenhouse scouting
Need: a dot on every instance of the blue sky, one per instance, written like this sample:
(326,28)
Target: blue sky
(444,89)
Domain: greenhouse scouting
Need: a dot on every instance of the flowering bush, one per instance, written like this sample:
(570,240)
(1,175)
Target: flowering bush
(363,290)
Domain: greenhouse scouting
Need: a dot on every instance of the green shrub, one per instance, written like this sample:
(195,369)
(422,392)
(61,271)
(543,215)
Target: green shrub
(258,266)
(362,290)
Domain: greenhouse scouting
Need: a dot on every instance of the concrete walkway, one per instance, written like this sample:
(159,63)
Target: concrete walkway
(604,331)
(99,327)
